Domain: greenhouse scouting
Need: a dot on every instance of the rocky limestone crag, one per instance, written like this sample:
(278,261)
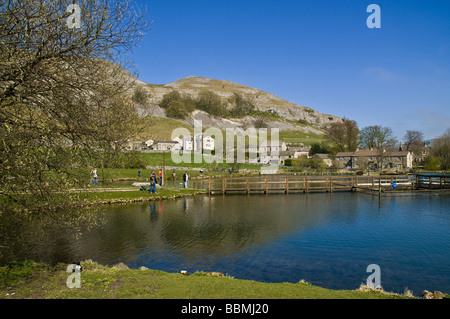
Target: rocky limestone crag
(263,101)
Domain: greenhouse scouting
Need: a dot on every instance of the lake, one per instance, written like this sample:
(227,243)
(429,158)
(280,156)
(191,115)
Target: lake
(328,240)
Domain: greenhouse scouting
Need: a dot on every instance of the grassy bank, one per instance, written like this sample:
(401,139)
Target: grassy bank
(38,281)
(118,196)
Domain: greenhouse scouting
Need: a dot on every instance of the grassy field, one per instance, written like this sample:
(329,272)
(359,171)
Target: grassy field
(38,281)
(301,137)
(156,160)
(158,128)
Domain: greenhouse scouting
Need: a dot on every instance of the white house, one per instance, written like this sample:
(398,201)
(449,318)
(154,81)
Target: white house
(208,143)
(149,143)
(165,145)
(198,143)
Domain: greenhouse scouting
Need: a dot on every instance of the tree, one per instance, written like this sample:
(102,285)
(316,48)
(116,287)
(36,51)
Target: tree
(177,110)
(60,90)
(413,139)
(317,148)
(414,142)
(432,163)
(441,149)
(169,98)
(260,122)
(378,138)
(140,96)
(211,103)
(242,106)
(343,135)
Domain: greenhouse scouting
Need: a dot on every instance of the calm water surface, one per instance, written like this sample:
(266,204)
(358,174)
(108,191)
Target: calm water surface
(326,239)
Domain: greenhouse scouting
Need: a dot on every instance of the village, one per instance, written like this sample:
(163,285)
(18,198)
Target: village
(280,153)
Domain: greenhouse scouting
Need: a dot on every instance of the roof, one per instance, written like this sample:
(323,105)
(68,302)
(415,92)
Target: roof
(165,142)
(368,153)
(286,153)
(299,149)
(322,156)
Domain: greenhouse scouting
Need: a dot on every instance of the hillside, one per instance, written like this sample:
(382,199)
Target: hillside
(277,112)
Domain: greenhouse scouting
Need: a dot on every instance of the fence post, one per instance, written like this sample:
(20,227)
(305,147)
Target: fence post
(307,186)
(209,184)
(287,186)
(379,190)
(248,187)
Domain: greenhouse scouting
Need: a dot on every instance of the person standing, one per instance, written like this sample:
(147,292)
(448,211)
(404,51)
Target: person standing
(185,179)
(160,177)
(152,188)
(95,177)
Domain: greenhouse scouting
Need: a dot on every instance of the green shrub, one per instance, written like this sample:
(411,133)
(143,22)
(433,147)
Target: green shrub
(432,163)
(177,110)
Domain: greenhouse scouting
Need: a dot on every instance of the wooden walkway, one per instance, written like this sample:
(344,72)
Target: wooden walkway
(431,182)
(304,184)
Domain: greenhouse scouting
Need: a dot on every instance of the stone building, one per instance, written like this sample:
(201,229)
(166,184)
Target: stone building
(373,159)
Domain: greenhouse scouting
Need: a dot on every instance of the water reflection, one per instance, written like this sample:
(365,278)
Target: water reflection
(327,239)
(47,238)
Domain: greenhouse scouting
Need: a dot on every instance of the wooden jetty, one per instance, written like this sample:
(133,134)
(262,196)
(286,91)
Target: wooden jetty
(311,184)
(432,182)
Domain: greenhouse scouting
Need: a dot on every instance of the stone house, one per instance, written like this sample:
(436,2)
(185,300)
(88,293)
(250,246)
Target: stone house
(138,146)
(165,145)
(268,153)
(265,147)
(362,159)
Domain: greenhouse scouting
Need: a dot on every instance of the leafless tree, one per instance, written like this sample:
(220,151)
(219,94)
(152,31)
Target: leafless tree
(343,135)
(413,140)
(62,88)
(378,138)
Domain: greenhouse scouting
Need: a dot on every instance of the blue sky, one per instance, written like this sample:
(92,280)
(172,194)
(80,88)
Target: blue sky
(318,53)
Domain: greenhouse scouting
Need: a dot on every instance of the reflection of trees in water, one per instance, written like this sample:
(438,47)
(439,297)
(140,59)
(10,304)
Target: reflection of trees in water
(225,224)
(44,237)
(194,226)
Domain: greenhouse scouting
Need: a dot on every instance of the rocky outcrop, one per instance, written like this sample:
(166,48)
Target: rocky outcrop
(432,295)
(263,101)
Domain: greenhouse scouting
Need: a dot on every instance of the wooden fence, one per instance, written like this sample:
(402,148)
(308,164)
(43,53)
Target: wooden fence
(432,181)
(305,184)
